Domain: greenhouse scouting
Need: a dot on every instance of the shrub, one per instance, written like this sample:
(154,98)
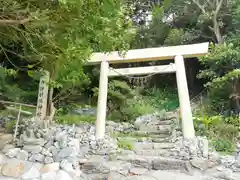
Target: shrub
(118,93)
(161,98)
(222,131)
(131,110)
(223,145)
(221,70)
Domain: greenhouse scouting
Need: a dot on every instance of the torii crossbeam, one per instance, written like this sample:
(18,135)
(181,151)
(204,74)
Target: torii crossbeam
(178,53)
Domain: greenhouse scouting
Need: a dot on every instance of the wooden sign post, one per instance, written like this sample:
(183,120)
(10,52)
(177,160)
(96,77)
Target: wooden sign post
(42,96)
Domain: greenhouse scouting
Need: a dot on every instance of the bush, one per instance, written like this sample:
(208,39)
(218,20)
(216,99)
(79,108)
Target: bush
(221,70)
(222,131)
(148,101)
(119,92)
(203,125)
(223,145)
(162,98)
(131,110)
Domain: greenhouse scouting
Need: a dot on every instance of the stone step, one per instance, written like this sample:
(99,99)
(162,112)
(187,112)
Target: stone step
(157,163)
(163,129)
(165,122)
(150,145)
(153,152)
(156,134)
(168,175)
(164,163)
(161,140)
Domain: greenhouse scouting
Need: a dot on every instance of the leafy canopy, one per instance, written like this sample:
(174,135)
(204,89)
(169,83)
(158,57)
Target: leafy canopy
(60,35)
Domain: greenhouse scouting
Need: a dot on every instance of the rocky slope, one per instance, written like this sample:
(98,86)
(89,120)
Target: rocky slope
(155,151)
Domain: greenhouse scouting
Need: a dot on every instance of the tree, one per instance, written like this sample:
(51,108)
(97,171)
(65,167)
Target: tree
(60,35)
(186,22)
(211,11)
(222,66)
(222,70)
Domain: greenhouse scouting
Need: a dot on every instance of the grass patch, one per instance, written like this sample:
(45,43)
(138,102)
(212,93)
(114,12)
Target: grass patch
(125,144)
(7,112)
(75,119)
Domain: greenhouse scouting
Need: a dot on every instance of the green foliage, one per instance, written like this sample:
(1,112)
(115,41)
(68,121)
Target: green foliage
(222,131)
(175,37)
(124,144)
(130,107)
(160,98)
(203,124)
(12,92)
(75,119)
(223,74)
(124,103)
(119,94)
(10,125)
(131,110)
(223,145)
(59,36)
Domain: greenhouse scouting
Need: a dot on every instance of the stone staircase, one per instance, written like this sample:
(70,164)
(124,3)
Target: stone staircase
(152,139)
(161,131)
(159,127)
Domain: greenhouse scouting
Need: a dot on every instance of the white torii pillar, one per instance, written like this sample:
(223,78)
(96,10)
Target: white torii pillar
(183,94)
(102,100)
(150,54)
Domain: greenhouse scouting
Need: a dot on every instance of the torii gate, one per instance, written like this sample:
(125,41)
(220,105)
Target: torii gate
(178,53)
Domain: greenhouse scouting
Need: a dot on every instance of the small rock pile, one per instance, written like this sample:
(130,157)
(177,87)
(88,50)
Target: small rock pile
(124,127)
(187,149)
(232,162)
(60,146)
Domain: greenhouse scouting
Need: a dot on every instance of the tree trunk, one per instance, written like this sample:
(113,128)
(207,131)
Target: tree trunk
(217,31)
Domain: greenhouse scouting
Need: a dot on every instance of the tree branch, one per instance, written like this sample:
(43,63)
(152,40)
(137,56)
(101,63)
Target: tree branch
(210,3)
(211,28)
(218,7)
(200,6)
(13,22)
(216,26)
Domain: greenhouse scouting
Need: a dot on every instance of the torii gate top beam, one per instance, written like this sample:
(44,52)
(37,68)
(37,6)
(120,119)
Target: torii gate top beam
(151,54)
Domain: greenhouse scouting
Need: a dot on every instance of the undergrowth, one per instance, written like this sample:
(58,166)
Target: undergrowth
(221,131)
(165,98)
(145,101)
